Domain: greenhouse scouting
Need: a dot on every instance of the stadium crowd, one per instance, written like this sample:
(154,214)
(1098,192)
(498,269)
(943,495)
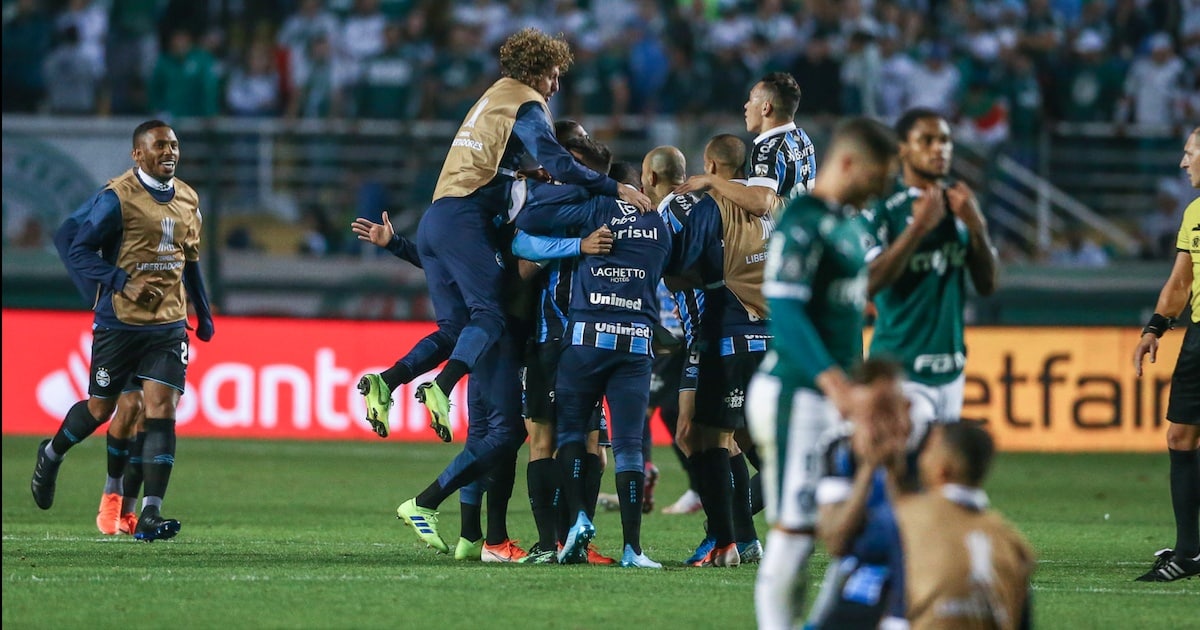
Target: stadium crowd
(998,68)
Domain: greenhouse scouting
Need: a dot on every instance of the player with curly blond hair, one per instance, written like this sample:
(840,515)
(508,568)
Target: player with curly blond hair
(462,241)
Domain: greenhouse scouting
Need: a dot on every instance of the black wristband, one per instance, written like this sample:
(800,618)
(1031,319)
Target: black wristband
(1158,325)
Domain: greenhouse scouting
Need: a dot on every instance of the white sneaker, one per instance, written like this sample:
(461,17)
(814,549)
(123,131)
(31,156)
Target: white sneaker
(632,560)
(688,503)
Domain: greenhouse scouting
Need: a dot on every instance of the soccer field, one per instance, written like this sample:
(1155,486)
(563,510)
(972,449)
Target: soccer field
(304,535)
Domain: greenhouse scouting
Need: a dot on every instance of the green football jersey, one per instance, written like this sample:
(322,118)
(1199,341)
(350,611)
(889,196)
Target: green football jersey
(815,283)
(920,321)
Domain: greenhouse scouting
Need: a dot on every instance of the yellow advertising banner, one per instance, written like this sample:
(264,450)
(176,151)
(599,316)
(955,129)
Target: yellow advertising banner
(1068,389)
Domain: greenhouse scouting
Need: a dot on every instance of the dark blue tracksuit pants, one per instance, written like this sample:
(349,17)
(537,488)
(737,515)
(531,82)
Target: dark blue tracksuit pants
(585,374)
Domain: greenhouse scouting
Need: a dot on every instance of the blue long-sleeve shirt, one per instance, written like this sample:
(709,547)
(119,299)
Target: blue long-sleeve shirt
(531,144)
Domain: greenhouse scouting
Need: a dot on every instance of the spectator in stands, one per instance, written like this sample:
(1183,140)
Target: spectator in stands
(390,85)
(91,23)
(1129,26)
(1154,85)
(895,77)
(1091,84)
(185,82)
(935,82)
(1159,229)
(772,22)
(860,74)
(598,83)
(460,74)
(1042,34)
(361,37)
(689,84)
(299,30)
(318,88)
(26,40)
(253,88)
(1078,250)
(1023,94)
(73,76)
(648,67)
(819,73)
(131,54)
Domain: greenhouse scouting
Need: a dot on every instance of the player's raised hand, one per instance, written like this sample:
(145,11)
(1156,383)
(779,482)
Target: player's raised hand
(964,204)
(1147,344)
(598,242)
(378,233)
(929,209)
(631,195)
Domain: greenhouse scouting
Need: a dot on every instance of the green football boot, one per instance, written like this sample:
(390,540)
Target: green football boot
(467,550)
(379,402)
(430,395)
(424,521)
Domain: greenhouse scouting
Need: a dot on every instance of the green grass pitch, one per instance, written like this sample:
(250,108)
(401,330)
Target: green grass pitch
(304,535)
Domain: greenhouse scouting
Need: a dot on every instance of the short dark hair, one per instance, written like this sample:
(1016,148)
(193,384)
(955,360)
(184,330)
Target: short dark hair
(875,369)
(146,127)
(869,137)
(973,445)
(592,154)
(727,149)
(626,173)
(784,91)
(567,128)
(909,119)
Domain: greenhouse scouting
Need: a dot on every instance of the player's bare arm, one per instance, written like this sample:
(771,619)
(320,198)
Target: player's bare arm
(928,211)
(757,200)
(981,257)
(379,234)
(1171,300)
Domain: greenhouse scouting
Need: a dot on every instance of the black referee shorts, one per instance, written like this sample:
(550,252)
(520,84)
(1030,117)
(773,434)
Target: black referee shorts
(1184,405)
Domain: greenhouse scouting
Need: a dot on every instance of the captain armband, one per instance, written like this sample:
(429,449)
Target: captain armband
(1158,325)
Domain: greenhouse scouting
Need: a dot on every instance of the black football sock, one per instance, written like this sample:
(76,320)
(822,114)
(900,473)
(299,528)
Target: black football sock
(118,457)
(158,458)
(545,484)
(498,494)
(571,458)
(431,497)
(719,479)
(696,473)
(451,375)
(77,425)
(629,494)
(1185,501)
(756,494)
(743,518)
(752,457)
(133,475)
(396,375)
(471,528)
(592,474)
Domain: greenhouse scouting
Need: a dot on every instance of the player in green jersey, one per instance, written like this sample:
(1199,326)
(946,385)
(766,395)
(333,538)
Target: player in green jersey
(815,284)
(929,236)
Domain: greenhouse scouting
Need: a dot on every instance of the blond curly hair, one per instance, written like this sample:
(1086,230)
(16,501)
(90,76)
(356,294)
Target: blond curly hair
(529,54)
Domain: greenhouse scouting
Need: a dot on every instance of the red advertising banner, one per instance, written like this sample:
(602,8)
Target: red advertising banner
(1051,389)
(257,378)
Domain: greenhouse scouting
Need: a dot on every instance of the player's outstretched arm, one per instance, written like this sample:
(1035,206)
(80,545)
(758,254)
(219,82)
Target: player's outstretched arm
(1171,301)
